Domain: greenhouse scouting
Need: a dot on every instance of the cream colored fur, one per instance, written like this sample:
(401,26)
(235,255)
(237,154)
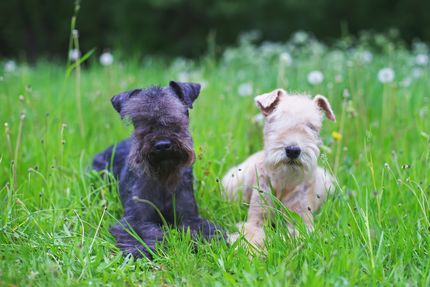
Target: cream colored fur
(300,184)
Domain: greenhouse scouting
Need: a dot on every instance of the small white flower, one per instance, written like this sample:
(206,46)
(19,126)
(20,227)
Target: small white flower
(346,94)
(417,73)
(258,119)
(315,77)
(338,78)
(75,33)
(422,59)
(386,75)
(285,58)
(10,66)
(406,82)
(183,77)
(106,59)
(245,89)
(300,37)
(74,54)
(366,56)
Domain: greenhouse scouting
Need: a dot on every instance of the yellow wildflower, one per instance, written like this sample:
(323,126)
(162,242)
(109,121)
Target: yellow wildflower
(336,136)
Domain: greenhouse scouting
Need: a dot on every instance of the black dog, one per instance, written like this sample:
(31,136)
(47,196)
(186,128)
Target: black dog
(154,167)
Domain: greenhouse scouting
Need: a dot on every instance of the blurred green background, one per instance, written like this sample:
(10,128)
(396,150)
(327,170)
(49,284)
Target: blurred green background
(40,28)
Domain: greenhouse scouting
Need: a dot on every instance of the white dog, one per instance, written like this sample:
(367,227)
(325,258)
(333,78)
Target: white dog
(288,164)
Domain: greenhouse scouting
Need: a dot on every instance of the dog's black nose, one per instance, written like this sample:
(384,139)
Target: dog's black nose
(163,145)
(293,151)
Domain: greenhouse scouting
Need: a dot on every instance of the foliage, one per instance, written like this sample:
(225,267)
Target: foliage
(31,28)
(374,230)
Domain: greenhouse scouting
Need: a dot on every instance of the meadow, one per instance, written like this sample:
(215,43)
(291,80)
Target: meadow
(373,231)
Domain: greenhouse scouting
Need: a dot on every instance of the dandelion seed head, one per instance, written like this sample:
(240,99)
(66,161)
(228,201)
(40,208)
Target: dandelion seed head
(258,119)
(106,59)
(366,56)
(406,82)
(315,77)
(10,66)
(300,37)
(422,59)
(386,75)
(74,54)
(75,33)
(245,89)
(417,72)
(285,58)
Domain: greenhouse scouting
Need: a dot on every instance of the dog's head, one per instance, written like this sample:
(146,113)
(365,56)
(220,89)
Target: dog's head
(162,141)
(292,128)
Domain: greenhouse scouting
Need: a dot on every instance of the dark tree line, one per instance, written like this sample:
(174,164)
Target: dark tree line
(32,28)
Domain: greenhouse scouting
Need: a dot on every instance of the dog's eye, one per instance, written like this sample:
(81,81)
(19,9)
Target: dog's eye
(312,127)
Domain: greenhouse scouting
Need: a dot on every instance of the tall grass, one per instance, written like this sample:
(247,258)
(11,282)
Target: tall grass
(375,230)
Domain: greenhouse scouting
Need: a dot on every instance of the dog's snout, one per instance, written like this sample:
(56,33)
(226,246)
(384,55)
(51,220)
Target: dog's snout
(292,151)
(163,145)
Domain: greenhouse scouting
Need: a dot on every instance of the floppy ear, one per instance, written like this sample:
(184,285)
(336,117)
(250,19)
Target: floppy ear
(324,105)
(119,100)
(268,102)
(187,92)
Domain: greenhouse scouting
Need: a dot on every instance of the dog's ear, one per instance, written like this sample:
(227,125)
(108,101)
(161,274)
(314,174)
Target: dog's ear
(119,100)
(268,102)
(324,105)
(187,92)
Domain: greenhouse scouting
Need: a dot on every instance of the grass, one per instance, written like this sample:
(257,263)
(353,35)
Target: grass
(374,230)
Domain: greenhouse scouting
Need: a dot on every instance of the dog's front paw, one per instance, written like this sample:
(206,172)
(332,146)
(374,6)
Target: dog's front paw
(127,242)
(254,234)
(294,232)
(206,228)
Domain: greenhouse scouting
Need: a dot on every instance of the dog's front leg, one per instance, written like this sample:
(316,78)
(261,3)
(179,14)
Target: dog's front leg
(259,210)
(137,238)
(187,215)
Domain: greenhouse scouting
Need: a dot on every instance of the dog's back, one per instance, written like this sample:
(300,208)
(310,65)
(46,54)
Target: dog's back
(240,180)
(113,158)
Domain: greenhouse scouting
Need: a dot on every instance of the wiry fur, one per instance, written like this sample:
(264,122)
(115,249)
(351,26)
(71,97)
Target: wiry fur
(157,114)
(291,120)
(153,181)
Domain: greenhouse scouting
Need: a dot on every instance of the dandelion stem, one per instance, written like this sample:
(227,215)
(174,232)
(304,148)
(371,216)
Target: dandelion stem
(17,146)
(78,84)
(8,140)
(339,143)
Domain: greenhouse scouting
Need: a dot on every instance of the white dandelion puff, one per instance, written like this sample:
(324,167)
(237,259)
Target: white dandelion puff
(300,37)
(10,66)
(258,119)
(75,33)
(406,82)
(422,59)
(245,89)
(386,75)
(183,77)
(315,77)
(74,54)
(366,56)
(106,59)
(417,73)
(285,58)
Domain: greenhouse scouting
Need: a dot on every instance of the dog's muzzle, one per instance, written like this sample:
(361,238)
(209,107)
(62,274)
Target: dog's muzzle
(165,152)
(293,152)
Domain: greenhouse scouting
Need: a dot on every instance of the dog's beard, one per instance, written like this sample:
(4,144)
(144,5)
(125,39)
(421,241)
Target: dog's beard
(295,170)
(165,166)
